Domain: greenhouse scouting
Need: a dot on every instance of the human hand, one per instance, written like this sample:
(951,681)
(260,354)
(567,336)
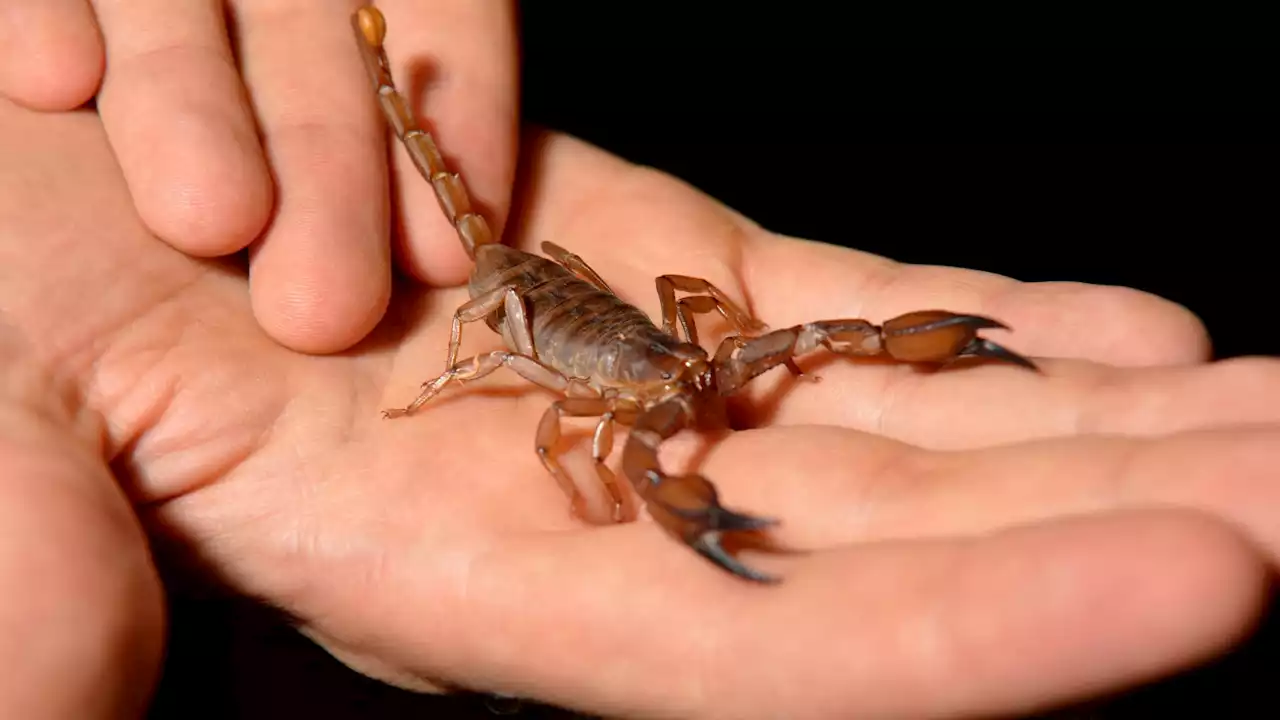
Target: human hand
(984,540)
(256,129)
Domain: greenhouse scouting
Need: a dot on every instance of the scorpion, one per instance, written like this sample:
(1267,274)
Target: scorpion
(565,330)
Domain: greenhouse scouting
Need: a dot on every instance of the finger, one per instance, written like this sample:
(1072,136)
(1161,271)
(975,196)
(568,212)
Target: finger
(979,406)
(50,53)
(606,208)
(82,615)
(455,60)
(626,623)
(321,276)
(180,124)
(1228,473)
(832,486)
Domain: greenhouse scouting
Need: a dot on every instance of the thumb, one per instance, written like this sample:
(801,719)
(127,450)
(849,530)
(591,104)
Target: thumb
(81,608)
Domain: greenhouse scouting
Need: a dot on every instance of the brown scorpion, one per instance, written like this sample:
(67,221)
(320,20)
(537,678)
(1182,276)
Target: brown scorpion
(566,331)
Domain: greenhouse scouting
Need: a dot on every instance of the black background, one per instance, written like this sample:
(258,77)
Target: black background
(1136,153)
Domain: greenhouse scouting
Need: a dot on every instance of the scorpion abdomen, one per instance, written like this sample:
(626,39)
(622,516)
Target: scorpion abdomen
(578,328)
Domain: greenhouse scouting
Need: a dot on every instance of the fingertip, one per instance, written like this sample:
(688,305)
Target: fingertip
(205,209)
(1231,561)
(1218,571)
(326,310)
(1095,603)
(53,56)
(1188,588)
(1171,333)
(320,279)
(182,126)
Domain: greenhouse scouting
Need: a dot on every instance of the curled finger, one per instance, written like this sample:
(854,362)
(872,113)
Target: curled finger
(180,124)
(320,277)
(51,55)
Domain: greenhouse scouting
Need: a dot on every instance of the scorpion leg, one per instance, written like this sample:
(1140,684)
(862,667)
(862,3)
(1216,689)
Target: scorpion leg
(686,506)
(577,265)
(479,366)
(929,336)
(607,409)
(715,301)
(719,301)
(685,310)
(485,305)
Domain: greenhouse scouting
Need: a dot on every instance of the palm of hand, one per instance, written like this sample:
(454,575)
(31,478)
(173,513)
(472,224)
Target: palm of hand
(437,549)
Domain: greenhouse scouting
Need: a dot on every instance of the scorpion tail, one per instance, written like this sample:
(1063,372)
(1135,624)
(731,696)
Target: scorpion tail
(473,231)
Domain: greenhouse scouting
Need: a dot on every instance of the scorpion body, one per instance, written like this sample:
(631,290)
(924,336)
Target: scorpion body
(579,328)
(566,330)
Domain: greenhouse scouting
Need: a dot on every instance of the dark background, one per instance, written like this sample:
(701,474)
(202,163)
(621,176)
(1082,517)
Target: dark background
(1135,153)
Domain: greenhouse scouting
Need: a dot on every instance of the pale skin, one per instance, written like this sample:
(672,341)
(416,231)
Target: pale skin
(251,128)
(1109,520)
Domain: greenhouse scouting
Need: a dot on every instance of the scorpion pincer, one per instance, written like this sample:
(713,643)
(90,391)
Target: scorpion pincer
(565,330)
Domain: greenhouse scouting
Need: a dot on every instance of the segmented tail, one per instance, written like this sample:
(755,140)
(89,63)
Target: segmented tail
(473,231)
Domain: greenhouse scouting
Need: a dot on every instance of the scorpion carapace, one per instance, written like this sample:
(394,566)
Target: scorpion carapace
(565,330)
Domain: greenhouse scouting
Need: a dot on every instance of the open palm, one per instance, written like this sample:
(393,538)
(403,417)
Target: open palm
(981,539)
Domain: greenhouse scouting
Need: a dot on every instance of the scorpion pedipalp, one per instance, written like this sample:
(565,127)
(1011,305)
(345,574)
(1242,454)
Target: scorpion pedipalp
(938,337)
(687,506)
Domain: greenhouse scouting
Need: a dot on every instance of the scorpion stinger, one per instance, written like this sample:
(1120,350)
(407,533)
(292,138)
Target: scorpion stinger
(565,330)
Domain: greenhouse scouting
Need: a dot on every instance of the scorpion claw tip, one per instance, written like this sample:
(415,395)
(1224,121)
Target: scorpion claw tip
(708,545)
(729,520)
(988,349)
